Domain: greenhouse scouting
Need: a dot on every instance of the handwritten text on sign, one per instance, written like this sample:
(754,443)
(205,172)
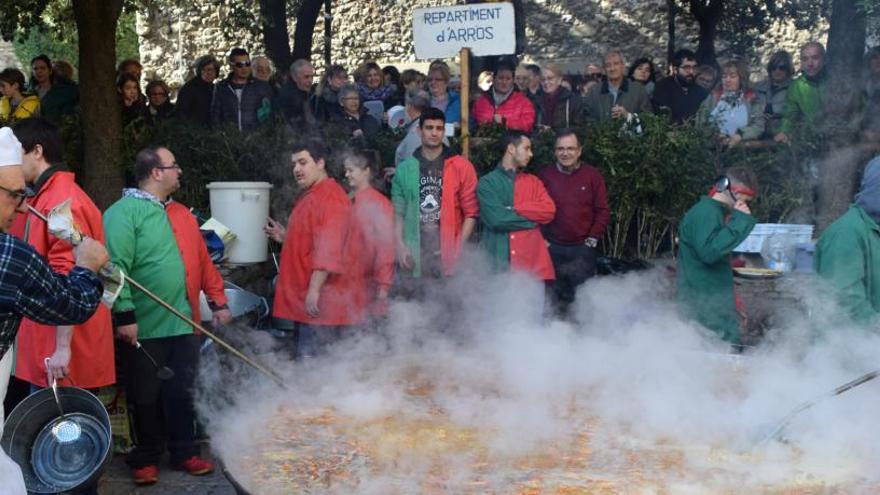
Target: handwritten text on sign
(485,28)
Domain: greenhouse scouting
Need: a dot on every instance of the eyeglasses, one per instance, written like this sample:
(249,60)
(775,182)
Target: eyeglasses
(170,167)
(780,67)
(240,65)
(19,195)
(160,93)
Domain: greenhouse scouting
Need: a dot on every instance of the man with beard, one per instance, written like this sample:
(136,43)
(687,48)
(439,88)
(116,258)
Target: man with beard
(435,204)
(679,95)
(848,253)
(82,355)
(803,100)
(157,242)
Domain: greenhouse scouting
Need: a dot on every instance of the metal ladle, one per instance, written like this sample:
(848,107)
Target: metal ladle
(162,372)
(64,430)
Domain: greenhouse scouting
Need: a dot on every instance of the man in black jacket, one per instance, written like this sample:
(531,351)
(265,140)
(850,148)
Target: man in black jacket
(678,95)
(240,99)
(293,98)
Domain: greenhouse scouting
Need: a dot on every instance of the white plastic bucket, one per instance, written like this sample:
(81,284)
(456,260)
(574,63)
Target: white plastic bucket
(243,207)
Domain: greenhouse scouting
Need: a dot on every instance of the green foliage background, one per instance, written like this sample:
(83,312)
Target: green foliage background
(58,39)
(652,176)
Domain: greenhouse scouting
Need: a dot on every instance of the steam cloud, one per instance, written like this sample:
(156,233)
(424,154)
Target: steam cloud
(651,383)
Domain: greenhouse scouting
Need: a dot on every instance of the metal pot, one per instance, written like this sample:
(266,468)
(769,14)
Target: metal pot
(49,463)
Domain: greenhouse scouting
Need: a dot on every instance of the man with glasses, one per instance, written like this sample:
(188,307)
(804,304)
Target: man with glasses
(678,95)
(293,98)
(28,286)
(240,99)
(578,190)
(157,241)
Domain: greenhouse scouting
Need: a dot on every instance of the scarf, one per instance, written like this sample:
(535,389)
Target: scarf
(382,93)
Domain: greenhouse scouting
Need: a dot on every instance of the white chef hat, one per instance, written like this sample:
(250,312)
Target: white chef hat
(10,148)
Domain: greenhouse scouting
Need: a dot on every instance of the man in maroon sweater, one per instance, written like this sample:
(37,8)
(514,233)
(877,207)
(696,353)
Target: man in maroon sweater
(581,217)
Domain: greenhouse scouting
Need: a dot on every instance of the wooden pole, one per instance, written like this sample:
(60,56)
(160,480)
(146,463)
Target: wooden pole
(235,352)
(465,101)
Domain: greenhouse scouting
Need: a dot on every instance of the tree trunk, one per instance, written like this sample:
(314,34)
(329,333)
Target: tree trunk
(670,31)
(708,14)
(306,17)
(838,171)
(101,119)
(273,16)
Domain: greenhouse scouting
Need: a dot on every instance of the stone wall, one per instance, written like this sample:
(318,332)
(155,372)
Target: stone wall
(569,32)
(7,55)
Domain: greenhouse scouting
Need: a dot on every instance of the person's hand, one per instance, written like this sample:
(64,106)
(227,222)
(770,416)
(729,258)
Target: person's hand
(742,206)
(734,139)
(357,133)
(380,305)
(128,333)
(221,317)
(275,230)
(388,173)
(498,119)
(312,298)
(57,365)
(618,112)
(781,138)
(91,254)
(404,257)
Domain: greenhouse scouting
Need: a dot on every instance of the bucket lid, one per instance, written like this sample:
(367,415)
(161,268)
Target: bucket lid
(239,185)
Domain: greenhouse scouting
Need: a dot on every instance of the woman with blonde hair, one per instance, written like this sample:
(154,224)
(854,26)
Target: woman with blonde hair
(443,98)
(560,108)
(371,85)
(736,109)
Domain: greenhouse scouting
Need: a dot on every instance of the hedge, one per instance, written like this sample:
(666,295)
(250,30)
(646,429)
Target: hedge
(652,176)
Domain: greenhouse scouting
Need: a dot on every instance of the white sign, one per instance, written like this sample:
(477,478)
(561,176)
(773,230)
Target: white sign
(485,28)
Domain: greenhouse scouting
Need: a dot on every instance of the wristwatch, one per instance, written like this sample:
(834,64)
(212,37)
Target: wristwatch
(591,242)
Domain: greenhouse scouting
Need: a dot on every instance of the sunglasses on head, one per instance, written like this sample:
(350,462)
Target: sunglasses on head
(240,65)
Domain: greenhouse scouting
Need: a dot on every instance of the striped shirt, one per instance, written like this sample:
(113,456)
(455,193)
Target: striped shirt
(28,287)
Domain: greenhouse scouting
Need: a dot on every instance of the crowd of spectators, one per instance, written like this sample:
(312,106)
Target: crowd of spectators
(522,97)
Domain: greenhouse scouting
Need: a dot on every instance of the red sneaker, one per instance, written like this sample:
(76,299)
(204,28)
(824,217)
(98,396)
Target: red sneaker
(146,475)
(195,466)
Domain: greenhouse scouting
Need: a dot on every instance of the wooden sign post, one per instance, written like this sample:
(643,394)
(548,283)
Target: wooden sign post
(479,28)
(465,60)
